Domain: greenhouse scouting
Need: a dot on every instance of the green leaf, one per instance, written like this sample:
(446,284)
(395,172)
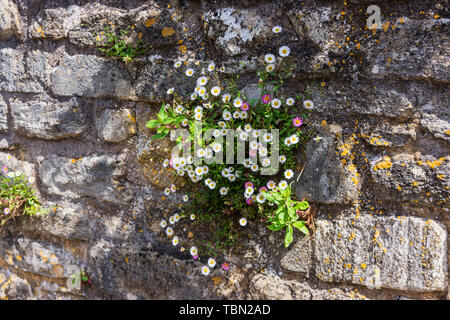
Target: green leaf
(300,225)
(303,205)
(275,227)
(162,112)
(160,135)
(289,236)
(152,124)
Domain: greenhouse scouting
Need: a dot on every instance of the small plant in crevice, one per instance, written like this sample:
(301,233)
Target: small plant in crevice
(17,198)
(120,44)
(259,138)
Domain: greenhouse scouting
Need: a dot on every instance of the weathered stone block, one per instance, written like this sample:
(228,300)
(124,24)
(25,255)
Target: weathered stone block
(93,176)
(3,116)
(9,19)
(22,72)
(403,253)
(91,76)
(325,179)
(436,119)
(49,119)
(116,125)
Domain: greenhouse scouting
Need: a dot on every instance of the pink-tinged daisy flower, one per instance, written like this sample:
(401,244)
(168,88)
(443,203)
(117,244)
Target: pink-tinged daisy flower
(263,189)
(4,169)
(253,152)
(6,211)
(248,184)
(245,106)
(195,257)
(297,122)
(249,200)
(266,99)
(226,266)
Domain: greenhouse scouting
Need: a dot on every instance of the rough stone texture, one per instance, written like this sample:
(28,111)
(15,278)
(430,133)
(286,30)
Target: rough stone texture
(3,116)
(116,125)
(9,19)
(324,178)
(23,72)
(90,76)
(93,176)
(403,253)
(381,147)
(49,120)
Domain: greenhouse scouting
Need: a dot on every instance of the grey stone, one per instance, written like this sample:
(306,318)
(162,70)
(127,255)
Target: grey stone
(413,49)
(387,135)
(403,253)
(324,178)
(436,119)
(116,125)
(23,72)
(232,30)
(417,179)
(40,258)
(9,19)
(49,119)
(96,176)
(14,287)
(298,259)
(55,23)
(3,116)
(91,76)
(272,287)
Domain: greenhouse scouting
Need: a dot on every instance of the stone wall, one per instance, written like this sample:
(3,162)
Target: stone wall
(378,171)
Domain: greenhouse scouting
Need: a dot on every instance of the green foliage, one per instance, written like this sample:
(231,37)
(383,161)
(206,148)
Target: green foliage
(119,44)
(17,197)
(285,215)
(166,119)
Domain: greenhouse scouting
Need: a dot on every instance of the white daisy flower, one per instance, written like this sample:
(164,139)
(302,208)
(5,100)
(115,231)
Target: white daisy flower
(243,222)
(215,91)
(253,145)
(260,198)
(198,116)
(265,162)
(226,115)
(237,102)
(170,91)
(288,174)
(254,167)
(193,96)
(277,29)
(190,72)
(199,171)
(282,159)
(270,67)
(167,191)
(217,147)
(226,98)
(176,217)
(172,220)
(185,122)
(224,131)
(192,217)
(202,81)
(177,64)
(290,101)
(284,51)
(221,124)
(205,270)
(231,177)
(267,137)
(175,241)
(212,185)
(163,224)
(223,191)
(275,103)
(269,58)
(243,115)
(271,184)
(222,69)
(294,139)
(31,180)
(211,66)
(169,231)
(185,198)
(283,184)
(211,262)
(193,251)
(255,133)
(308,104)
(243,136)
(288,141)
(236,115)
(248,127)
